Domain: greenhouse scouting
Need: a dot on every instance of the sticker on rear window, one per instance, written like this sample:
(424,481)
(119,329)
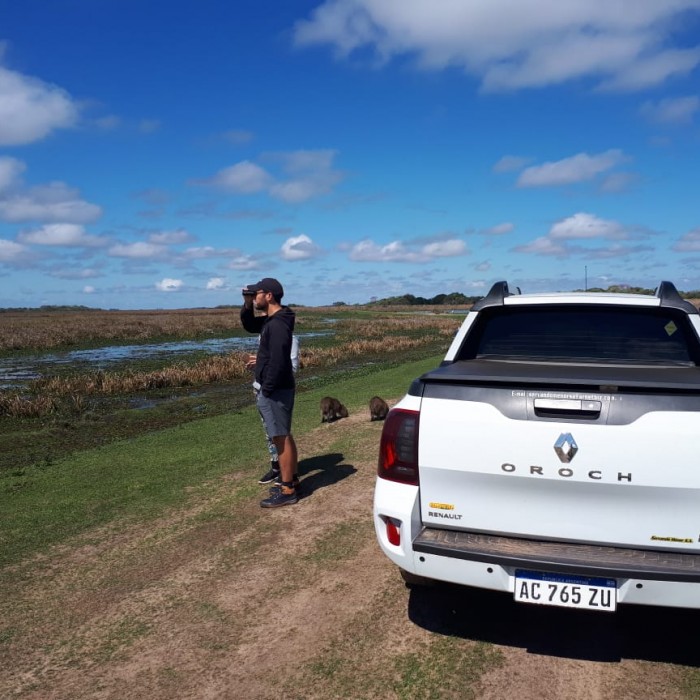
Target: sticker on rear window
(670,328)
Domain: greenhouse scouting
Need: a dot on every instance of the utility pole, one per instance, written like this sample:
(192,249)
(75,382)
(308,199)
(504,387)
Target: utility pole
(585,286)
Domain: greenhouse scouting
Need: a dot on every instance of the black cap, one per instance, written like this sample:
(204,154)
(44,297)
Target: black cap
(267,284)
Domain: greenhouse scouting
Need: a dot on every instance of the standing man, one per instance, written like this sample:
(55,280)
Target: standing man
(274,374)
(272,475)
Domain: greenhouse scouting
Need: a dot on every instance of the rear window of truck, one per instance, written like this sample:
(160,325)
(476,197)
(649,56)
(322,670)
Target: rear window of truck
(583,334)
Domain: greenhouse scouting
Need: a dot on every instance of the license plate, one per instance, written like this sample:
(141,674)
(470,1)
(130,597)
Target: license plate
(566,591)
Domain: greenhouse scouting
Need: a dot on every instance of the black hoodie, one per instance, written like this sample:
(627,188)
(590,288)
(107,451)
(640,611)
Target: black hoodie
(273,366)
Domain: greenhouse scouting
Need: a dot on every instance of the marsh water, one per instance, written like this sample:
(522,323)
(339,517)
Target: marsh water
(17,371)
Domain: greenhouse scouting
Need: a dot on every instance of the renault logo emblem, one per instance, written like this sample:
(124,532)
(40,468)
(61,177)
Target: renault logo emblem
(566,447)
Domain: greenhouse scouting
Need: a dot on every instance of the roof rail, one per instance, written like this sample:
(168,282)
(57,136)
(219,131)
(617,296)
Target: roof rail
(498,292)
(669,296)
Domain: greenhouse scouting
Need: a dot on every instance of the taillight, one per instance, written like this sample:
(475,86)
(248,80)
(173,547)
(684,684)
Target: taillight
(398,450)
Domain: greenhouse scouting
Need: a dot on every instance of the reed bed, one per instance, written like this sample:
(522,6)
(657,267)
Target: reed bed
(443,325)
(354,339)
(22,330)
(218,368)
(45,394)
(46,330)
(324,357)
(15,405)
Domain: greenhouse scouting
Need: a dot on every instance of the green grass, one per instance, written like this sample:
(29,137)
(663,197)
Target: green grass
(342,542)
(452,664)
(359,664)
(45,504)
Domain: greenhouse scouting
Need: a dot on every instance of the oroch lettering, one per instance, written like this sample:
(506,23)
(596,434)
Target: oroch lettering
(563,472)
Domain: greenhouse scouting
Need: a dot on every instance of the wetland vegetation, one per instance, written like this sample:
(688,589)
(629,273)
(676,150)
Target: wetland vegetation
(68,399)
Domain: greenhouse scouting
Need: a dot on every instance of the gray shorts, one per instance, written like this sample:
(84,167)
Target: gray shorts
(276,411)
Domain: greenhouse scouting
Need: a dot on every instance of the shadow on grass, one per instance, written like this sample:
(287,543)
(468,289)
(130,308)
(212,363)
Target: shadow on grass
(634,632)
(323,470)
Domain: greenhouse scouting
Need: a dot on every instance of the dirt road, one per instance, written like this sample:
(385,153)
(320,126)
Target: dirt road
(225,600)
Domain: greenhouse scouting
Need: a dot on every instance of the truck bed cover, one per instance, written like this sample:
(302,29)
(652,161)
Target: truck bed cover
(685,379)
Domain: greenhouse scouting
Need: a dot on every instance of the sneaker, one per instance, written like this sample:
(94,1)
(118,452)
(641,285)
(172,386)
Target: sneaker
(269,477)
(278,499)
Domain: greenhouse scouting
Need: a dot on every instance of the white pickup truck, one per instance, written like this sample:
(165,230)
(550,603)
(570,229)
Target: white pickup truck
(554,454)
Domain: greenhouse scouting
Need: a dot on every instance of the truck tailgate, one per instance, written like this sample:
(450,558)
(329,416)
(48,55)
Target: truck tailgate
(568,465)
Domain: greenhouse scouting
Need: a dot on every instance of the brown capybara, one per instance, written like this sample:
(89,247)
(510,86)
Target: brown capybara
(378,408)
(332,409)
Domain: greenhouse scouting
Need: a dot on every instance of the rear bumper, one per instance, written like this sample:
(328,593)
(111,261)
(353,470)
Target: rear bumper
(560,557)
(644,577)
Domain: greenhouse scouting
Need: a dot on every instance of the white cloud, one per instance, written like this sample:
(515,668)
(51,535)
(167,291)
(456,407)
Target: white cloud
(140,250)
(544,246)
(499,229)
(689,243)
(649,71)
(88,289)
(613,251)
(10,170)
(583,225)
(483,266)
(67,235)
(311,173)
(216,283)
(618,182)
(179,235)
(11,251)
(398,251)
(622,45)
(30,109)
(168,285)
(678,110)
(578,168)
(369,251)
(445,249)
(244,262)
(299,248)
(475,285)
(202,252)
(296,191)
(71,273)
(302,175)
(509,164)
(53,202)
(242,178)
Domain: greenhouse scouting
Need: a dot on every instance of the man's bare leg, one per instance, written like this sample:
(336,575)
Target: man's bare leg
(288,458)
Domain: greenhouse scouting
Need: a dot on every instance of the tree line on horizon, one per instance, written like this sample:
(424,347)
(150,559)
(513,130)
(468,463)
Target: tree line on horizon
(452,299)
(459,299)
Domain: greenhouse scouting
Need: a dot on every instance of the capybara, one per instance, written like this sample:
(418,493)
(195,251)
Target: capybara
(378,408)
(332,409)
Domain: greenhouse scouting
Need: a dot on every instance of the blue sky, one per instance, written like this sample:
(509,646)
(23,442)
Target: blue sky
(162,155)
